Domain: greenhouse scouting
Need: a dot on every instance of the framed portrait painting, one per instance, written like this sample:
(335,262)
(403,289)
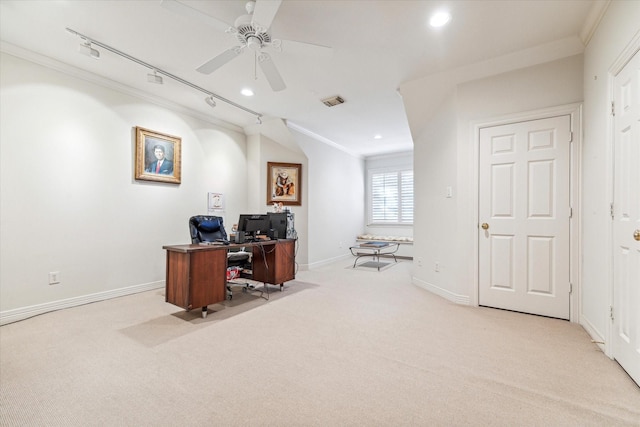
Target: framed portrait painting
(158,156)
(284,183)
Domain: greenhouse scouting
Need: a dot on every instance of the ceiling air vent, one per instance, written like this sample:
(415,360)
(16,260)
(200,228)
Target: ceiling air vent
(333,101)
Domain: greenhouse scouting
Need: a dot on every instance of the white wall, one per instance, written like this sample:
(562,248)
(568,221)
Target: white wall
(444,230)
(616,30)
(335,194)
(68,199)
(435,221)
(267,150)
(69,202)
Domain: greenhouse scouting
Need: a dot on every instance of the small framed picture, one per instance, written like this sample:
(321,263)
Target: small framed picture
(284,183)
(158,156)
(216,202)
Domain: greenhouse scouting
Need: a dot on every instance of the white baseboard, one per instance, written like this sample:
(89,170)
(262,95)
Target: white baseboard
(596,337)
(17,314)
(324,262)
(444,293)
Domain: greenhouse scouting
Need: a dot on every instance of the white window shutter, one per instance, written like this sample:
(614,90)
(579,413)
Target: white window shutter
(392,197)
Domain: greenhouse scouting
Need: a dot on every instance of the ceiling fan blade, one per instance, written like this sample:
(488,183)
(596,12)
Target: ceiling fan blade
(264,13)
(217,62)
(189,12)
(302,48)
(271,72)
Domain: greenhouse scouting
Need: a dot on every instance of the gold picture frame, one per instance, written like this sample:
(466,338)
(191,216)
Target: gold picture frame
(284,183)
(154,147)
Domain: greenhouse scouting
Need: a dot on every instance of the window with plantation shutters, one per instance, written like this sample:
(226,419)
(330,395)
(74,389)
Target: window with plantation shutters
(391,197)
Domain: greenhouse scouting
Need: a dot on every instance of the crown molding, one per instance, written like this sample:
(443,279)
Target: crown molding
(598,10)
(327,141)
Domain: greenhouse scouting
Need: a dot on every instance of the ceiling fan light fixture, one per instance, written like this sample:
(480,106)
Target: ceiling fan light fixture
(254,43)
(154,78)
(85,48)
(209,100)
(439,19)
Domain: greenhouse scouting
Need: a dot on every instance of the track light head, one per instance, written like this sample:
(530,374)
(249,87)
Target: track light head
(209,100)
(86,49)
(154,78)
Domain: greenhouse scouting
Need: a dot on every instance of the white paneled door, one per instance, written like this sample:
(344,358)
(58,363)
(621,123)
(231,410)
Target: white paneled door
(626,219)
(524,213)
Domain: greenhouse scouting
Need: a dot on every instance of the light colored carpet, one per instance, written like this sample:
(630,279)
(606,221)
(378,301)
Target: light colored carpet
(339,347)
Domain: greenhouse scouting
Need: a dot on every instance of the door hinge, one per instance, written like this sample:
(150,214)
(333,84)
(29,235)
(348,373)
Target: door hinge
(570,136)
(570,287)
(570,212)
(611,209)
(611,312)
(613,109)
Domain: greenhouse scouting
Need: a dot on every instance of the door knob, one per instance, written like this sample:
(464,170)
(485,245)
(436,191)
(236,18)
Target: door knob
(636,235)
(485,226)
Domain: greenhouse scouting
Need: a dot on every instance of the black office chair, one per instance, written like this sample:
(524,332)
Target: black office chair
(207,228)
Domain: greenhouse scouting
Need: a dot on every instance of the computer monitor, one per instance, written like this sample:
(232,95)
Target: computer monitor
(279,224)
(254,224)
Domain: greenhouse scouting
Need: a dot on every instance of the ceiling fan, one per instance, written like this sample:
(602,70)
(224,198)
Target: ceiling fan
(251,32)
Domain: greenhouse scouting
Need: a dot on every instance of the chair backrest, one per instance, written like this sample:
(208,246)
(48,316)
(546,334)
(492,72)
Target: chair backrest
(206,228)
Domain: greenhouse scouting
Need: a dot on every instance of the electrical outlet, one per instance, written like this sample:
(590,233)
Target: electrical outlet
(437,266)
(54,277)
(419,261)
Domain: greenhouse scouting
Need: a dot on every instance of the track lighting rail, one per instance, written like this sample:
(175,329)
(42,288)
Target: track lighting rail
(162,72)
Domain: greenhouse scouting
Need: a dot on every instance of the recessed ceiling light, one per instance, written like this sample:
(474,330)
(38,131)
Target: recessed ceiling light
(246,92)
(439,19)
(378,136)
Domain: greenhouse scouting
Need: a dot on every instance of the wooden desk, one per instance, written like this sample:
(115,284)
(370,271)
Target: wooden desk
(274,264)
(197,274)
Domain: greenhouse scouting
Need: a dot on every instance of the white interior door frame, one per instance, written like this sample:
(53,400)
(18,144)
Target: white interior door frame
(575,111)
(625,56)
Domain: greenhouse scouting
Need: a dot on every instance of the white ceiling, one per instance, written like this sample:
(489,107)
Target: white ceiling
(377,46)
